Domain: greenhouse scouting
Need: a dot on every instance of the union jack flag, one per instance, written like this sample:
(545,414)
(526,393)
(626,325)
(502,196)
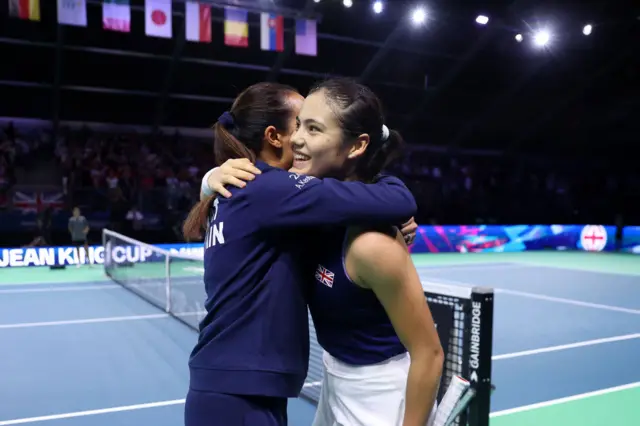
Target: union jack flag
(325,276)
(37,201)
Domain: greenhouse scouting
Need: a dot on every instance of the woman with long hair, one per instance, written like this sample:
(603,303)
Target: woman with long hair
(383,359)
(253,347)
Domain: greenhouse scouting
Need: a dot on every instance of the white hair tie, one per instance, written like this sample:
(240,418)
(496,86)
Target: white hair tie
(385,133)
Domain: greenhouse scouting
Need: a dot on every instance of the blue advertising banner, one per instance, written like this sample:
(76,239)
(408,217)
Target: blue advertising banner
(430,239)
(631,239)
(51,256)
(513,238)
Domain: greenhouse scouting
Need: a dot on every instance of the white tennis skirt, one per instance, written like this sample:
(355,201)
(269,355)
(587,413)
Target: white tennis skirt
(370,395)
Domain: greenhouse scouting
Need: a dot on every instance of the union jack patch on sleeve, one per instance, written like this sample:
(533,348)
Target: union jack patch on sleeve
(325,276)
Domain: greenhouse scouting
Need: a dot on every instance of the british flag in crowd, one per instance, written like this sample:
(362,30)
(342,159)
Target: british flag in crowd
(325,276)
(35,202)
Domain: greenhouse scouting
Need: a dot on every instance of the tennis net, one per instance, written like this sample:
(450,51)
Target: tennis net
(464,316)
(169,280)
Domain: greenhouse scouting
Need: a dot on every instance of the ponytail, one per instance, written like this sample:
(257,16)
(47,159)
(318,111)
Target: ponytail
(225,147)
(377,158)
(196,222)
(239,133)
(392,148)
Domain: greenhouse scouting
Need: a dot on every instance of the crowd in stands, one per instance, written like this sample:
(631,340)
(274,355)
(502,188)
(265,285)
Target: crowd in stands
(6,170)
(17,150)
(132,175)
(494,188)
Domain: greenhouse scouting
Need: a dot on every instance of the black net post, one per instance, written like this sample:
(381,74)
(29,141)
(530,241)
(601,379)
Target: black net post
(450,312)
(480,336)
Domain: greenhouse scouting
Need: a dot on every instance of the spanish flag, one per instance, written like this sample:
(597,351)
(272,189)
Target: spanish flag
(236,27)
(25,9)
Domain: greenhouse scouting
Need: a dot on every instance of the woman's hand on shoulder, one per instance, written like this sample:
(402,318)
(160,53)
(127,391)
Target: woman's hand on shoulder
(234,172)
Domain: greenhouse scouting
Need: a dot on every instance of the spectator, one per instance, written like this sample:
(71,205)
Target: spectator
(134,221)
(119,209)
(79,228)
(44,225)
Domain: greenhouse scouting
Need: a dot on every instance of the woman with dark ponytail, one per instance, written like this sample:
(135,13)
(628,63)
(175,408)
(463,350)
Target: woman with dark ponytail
(383,359)
(253,348)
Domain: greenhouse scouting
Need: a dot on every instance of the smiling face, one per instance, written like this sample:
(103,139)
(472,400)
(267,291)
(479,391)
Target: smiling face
(318,144)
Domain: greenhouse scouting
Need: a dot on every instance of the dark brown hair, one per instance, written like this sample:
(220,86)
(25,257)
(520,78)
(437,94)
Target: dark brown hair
(359,111)
(240,135)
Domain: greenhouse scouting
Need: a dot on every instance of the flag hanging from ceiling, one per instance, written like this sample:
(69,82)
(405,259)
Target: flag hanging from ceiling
(72,12)
(116,15)
(198,22)
(271,32)
(158,18)
(236,27)
(306,37)
(25,9)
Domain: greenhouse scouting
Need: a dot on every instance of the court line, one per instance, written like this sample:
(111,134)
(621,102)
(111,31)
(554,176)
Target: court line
(568,301)
(574,268)
(105,283)
(562,400)
(158,283)
(68,288)
(83,321)
(37,283)
(193,269)
(445,281)
(567,346)
(101,320)
(91,412)
(469,266)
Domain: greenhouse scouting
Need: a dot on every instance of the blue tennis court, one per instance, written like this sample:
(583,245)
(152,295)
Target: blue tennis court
(79,349)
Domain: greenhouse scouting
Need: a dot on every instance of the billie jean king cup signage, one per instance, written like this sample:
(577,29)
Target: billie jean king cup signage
(51,256)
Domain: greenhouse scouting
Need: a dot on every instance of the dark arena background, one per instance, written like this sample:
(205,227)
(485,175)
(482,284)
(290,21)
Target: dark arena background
(521,120)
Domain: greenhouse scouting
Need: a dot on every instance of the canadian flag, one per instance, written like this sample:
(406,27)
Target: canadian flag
(198,22)
(158,18)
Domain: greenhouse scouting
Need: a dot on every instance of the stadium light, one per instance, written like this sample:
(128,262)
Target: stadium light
(378,6)
(587,29)
(419,15)
(482,20)
(316,1)
(541,38)
(347,3)
(519,38)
